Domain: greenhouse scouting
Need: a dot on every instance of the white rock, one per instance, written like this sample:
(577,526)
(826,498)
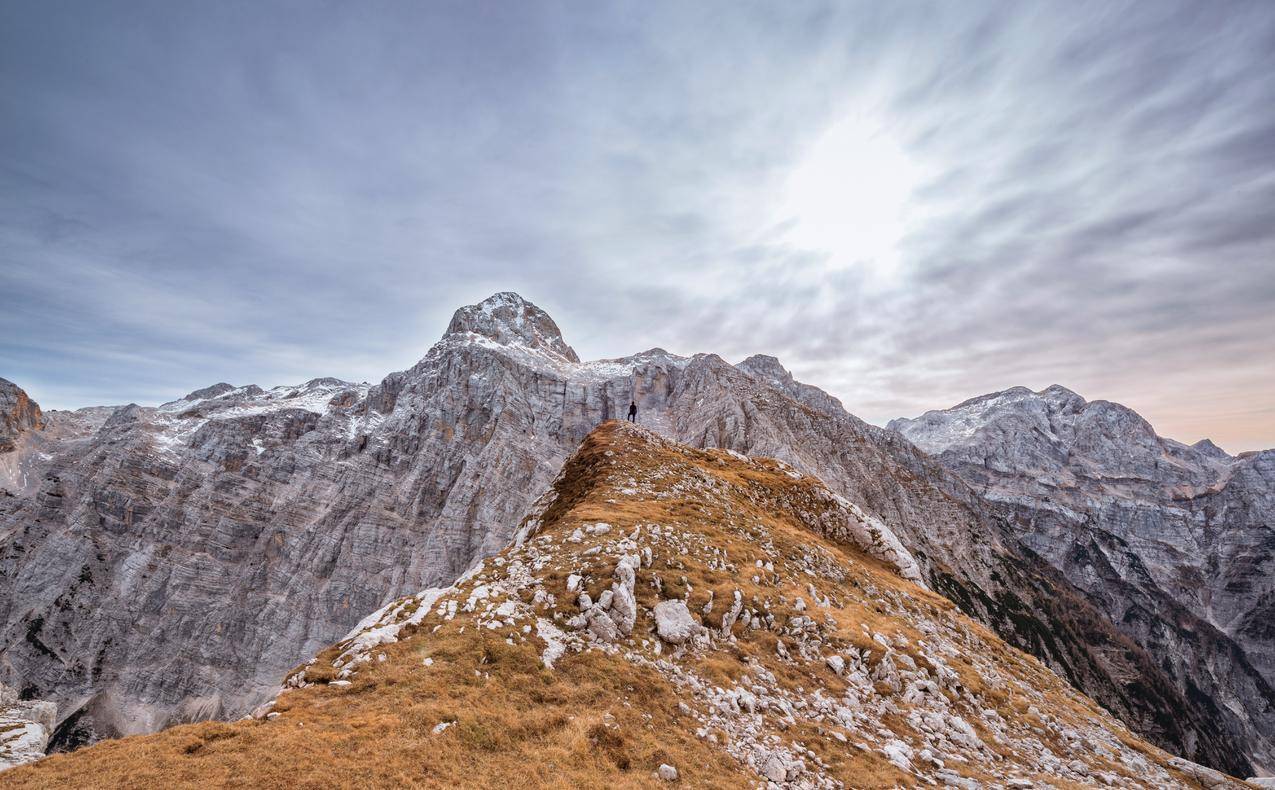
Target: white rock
(623,605)
(674,623)
(732,614)
(555,641)
(602,626)
(775,769)
(666,772)
(961,732)
(899,753)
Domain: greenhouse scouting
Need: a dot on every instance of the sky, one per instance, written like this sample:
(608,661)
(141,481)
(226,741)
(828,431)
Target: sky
(908,203)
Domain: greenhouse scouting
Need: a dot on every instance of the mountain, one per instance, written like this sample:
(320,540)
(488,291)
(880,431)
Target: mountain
(18,415)
(1175,543)
(666,615)
(169,564)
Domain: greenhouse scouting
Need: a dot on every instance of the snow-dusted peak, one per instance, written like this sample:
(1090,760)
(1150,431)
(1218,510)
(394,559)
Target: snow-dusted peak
(1023,431)
(1040,412)
(215,391)
(1004,396)
(226,400)
(510,320)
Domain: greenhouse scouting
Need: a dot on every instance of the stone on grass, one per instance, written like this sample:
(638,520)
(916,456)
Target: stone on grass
(674,623)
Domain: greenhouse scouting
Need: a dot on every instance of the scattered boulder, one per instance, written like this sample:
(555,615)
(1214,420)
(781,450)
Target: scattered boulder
(1205,776)
(674,623)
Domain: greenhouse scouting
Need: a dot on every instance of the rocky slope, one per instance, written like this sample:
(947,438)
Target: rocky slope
(666,615)
(171,564)
(1175,543)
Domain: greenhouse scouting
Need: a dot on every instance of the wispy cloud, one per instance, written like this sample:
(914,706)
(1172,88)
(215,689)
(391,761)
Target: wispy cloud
(268,192)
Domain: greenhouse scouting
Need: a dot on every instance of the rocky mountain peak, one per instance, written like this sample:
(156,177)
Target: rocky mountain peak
(1143,524)
(1057,392)
(210,392)
(18,414)
(1207,447)
(770,370)
(124,415)
(1055,417)
(510,320)
(764,365)
(406,483)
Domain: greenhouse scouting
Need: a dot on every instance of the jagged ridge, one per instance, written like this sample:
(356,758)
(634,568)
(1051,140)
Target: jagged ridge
(667,614)
(230,535)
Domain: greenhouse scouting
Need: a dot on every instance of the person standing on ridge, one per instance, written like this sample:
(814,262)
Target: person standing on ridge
(632,411)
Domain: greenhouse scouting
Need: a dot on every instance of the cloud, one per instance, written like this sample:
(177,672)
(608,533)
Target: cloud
(270,192)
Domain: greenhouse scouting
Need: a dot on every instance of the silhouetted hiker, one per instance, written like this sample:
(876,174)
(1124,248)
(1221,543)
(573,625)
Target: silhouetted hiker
(632,411)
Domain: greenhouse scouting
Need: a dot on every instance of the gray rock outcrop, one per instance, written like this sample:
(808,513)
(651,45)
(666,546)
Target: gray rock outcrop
(25,728)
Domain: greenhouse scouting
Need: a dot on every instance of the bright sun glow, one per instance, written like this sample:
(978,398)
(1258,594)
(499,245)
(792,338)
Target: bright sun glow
(849,196)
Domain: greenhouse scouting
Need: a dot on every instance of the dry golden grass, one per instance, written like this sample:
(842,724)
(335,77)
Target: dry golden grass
(592,722)
(595,720)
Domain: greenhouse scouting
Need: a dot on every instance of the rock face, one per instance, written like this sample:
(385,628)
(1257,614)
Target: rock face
(502,679)
(174,563)
(18,415)
(512,322)
(1175,543)
(25,728)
